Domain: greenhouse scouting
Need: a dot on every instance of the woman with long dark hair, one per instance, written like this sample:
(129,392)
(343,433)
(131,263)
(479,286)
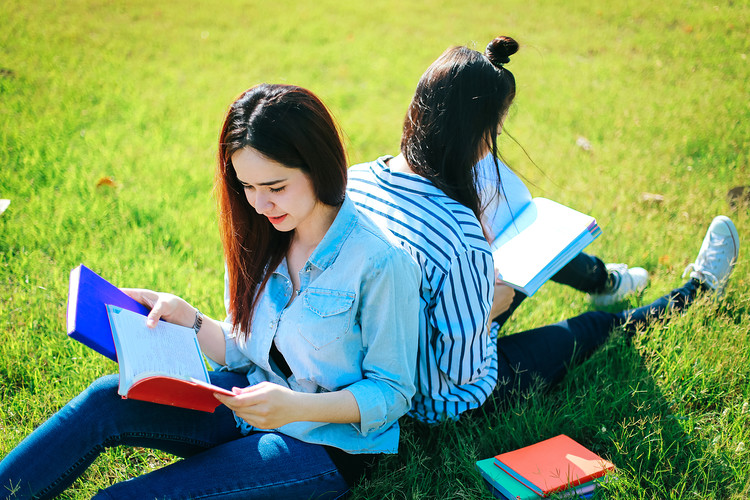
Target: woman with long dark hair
(318,346)
(430,198)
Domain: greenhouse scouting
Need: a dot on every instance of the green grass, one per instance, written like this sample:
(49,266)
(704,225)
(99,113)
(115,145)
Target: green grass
(136,92)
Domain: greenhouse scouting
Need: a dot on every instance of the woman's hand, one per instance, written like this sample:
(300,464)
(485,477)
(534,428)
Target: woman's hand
(163,305)
(502,300)
(264,405)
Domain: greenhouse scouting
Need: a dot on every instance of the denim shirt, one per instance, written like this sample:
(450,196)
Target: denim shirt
(353,326)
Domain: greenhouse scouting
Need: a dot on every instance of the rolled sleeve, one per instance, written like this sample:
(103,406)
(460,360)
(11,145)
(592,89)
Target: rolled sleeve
(234,359)
(373,407)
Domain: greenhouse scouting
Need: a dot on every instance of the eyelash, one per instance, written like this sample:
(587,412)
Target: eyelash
(273,190)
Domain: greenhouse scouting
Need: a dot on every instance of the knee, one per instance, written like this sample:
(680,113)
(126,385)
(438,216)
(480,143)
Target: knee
(100,394)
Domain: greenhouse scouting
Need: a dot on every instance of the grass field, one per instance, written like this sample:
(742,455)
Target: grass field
(109,116)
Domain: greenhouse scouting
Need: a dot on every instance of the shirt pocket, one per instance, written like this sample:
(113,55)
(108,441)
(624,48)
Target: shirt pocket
(328,316)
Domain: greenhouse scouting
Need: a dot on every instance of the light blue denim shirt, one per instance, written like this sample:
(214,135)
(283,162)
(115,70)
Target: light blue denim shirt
(353,326)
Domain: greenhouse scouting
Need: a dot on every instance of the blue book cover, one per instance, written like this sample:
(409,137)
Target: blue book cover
(87,318)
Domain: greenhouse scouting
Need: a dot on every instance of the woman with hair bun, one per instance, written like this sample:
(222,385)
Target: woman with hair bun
(433,198)
(318,346)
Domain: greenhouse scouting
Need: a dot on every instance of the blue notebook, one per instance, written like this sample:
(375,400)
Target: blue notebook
(87,318)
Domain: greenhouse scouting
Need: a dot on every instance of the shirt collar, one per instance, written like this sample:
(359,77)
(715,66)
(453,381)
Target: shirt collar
(330,246)
(408,181)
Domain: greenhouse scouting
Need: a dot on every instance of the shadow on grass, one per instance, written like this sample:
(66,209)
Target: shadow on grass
(610,404)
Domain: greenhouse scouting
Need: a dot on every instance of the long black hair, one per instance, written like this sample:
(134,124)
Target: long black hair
(455,115)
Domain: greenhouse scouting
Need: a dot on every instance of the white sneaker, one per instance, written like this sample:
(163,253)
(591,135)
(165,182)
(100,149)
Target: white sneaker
(717,255)
(626,281)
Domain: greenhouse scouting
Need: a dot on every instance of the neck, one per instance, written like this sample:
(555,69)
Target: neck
(307,237)
(399,164)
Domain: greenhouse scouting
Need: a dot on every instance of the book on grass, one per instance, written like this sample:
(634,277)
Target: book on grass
(163,364)
(506,487)
(553,465)
(538,241)
(87,319)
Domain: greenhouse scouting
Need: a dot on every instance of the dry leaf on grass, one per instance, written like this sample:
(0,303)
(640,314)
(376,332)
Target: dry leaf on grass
(738,195)
(106,181)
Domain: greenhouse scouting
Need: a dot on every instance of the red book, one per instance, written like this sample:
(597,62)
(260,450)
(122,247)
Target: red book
(162,364)
(167,390)
(553,465)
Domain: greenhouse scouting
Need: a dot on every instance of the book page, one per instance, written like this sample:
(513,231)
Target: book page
(542,232)
(501,207)
(166,349)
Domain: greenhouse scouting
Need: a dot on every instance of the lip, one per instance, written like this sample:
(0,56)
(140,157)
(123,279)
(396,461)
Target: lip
(276,220)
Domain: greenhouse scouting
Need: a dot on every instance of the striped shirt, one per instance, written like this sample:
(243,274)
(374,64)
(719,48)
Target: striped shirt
(457,359)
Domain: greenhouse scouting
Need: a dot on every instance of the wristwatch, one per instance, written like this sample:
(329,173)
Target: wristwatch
(198,321)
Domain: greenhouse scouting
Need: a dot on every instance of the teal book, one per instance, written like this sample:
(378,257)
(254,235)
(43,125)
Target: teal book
(504,485)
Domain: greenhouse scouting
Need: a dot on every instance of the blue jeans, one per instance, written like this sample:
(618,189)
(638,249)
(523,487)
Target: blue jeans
(219,462)
(586,273)
(543,355)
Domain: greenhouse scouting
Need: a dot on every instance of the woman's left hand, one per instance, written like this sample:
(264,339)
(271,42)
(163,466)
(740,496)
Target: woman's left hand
(502,300)
(264,405)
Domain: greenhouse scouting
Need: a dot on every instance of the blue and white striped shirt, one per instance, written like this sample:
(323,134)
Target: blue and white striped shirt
(457,359)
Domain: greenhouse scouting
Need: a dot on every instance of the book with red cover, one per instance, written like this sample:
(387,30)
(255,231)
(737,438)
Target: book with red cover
(191,394)
(553,465)
(163,364)
(87,319)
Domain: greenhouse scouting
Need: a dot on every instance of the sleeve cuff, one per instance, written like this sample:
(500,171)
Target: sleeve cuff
(372,406)
(234,360)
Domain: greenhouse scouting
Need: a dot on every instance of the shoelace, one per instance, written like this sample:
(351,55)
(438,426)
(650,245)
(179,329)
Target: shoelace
(706,276)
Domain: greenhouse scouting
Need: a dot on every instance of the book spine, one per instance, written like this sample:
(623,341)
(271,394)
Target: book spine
(520,478)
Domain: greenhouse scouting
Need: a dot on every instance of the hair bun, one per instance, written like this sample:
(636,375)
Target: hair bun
(500,49)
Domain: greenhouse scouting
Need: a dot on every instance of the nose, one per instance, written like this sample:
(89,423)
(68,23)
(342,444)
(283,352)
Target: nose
(262,203)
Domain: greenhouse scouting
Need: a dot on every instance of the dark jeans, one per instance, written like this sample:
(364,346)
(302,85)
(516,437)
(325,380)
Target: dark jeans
(544,354)
(586,273)
(219,462)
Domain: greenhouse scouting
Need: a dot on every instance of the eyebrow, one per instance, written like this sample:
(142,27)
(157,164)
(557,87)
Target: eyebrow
(267,183)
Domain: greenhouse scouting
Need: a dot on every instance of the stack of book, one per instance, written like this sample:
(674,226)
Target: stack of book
(557,466)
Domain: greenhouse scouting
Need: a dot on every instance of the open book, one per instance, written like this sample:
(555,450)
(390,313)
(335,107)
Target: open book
(163,364)
(539,241)
(533,238)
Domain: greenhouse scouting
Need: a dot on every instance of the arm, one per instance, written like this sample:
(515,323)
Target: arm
(175,310)
(461,315)
(502,300)
(389,319)
(269,406)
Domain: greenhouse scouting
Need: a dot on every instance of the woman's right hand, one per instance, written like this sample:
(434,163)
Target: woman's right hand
(170,307)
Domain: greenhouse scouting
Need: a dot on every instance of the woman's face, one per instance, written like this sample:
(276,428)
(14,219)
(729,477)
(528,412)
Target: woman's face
(284,195)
